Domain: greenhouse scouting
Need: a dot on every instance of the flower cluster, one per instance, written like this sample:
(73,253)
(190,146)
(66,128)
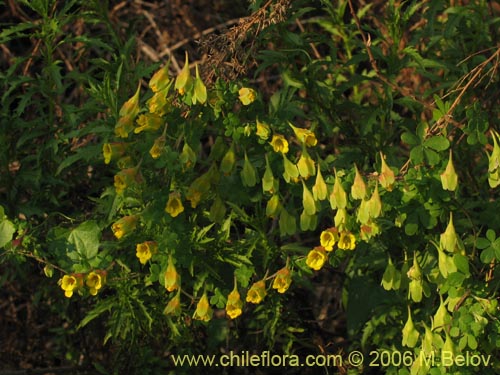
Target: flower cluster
(71,283)
(318,256)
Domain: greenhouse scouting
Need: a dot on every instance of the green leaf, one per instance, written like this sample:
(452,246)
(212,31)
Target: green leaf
(462,263)
(7,230)
(438,143)
(85,238)
(490,235)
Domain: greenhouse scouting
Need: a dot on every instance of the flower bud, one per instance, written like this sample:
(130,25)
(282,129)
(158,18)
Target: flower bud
(305,165)
(172,279)
(131,107)
(187,157)
(228,161)
(442,318)
(374,205)
(160,80)
(410,334)
(183,82)
(248,173)
(308,200)
(358,188)
(494,162)
(449,240)
(174,306)
(287,223)
(449,178)
(291,172)
(268,182)
(273,206)
(319,190)
(338,197)
(200,90)
(203,310)
(386,176)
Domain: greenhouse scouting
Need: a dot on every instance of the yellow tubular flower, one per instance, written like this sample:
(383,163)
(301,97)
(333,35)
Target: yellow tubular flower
(347,241)
(70,283)
(172,278)
(247,95)
(174,205)
(316,258)
(94,282)
(282,280)
(145,250)
(131,106)
(125,178)
(124,126)
(257,292)
(328,238)
(203,310)
(112,151)
(234,304)
(262,130)
(149,122)
(305,136)
(160,80)
(173,306)
(183,81)
(158,102)
(279,143)
(124,226)
(158,147)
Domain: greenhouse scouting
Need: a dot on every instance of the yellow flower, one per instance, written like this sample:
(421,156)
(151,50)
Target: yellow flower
(131,106)
(124,226)
(124,126)
(160,80)
(183,81)
(173,306)
(158,147)
(94,282)
(234,304)
(125,178)
(187,156)
(145,250)
(282,280)
(347,241)
(262,130)
(305,136)
(247,95)
(328,238)
(158,102)
(69,283)
(279,143)
(174,205)
(257,292)
(200,90)
(449,178)
(113,151)
(358,188)
(316,258)
(203,310)
(172,278)
(386,177)
(149,122)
